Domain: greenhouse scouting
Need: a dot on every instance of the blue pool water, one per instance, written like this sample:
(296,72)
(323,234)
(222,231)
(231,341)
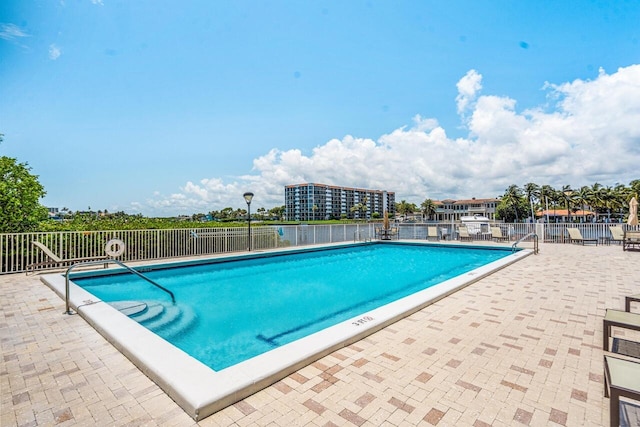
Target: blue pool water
(227,312)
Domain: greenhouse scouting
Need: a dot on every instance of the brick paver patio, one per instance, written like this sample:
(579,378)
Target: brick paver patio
(520,347)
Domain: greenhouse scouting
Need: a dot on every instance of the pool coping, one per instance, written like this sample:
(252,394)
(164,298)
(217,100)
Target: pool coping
(200,390)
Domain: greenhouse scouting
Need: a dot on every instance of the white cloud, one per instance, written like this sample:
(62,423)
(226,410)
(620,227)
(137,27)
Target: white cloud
(591,135)
(54,52)
(468,88)
(12,33)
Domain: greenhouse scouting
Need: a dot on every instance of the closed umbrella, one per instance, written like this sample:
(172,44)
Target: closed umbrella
(385,226)
(633,212)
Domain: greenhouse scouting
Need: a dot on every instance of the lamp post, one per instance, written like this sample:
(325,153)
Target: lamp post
(248,196)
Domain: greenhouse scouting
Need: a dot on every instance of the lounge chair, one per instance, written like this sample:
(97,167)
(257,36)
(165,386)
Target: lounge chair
(621,379)
(619,319)
(631,240)
(575,236)
(432,233)
(463,234)
(617,233)
(56,261)
(629,299)
(497,236)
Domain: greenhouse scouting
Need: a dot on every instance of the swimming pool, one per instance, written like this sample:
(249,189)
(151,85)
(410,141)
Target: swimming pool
(285,346)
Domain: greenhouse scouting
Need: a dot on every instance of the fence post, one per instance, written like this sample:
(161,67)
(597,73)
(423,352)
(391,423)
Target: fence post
(540,231)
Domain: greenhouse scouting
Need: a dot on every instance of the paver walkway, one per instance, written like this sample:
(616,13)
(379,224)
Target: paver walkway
(520,347)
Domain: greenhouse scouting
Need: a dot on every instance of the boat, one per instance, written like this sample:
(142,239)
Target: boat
(477,224)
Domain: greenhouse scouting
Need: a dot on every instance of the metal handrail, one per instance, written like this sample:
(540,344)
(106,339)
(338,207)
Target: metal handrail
(357,237)
(106,261)
(535,242)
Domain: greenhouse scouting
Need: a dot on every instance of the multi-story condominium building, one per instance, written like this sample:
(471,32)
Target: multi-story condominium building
(306,202)
(453,210)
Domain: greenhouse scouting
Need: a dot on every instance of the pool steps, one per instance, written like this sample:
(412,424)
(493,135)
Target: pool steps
(166,320)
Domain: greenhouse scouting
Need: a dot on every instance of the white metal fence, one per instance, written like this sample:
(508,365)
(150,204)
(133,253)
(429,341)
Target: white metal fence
(17,252)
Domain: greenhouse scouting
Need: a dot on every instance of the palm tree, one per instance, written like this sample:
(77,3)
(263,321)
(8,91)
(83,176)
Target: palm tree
(595,200)
(634,188)
(582,198)
(532,191)
(404,208)
(608,200)
(226,213)
(512,197)
(360,207)
(546,192)
(277,212)
(428,208)
(556,198)
(356,208)
(567,196)
(622,195)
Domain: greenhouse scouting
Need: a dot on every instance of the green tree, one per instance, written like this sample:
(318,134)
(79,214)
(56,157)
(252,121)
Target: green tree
(582,197)
(428,208)
(532,191)
(621,195)
(404,208)
(609,200)
(513,205)
(277,212)
(546,194)
(360,208)
(595,198)
(226,213)
(635,188)
(20,194)
(568,197)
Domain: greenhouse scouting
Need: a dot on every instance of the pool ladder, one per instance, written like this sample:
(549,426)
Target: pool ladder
(358,236)
(535,242)
(106,261)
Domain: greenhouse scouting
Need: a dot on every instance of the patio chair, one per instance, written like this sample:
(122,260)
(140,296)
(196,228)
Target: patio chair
(617,233)
(394,232)
(629,299)
(432,233)
(463,234)
(619,319)
(575,236)
(497,236)
(631,240)
(378,232)
(56,261)
(621,379)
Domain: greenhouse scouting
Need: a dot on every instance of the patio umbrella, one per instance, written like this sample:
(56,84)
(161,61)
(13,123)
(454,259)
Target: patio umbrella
(385,220)
(633,212)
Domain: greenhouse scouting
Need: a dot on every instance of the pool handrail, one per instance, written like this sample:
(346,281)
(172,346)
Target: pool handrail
(535,242)
(105,261)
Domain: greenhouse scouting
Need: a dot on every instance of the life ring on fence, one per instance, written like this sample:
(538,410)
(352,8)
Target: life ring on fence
(114,248)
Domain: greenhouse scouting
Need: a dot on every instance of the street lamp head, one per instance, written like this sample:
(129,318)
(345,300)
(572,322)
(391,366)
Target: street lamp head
(248,196)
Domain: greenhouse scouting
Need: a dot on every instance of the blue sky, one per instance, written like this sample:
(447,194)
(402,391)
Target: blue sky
(166,108)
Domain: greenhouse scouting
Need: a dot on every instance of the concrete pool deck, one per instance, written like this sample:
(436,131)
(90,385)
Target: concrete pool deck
(520,347)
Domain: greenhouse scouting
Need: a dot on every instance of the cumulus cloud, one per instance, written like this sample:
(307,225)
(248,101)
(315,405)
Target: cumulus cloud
(54,52)
(591,134)
(468,88)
